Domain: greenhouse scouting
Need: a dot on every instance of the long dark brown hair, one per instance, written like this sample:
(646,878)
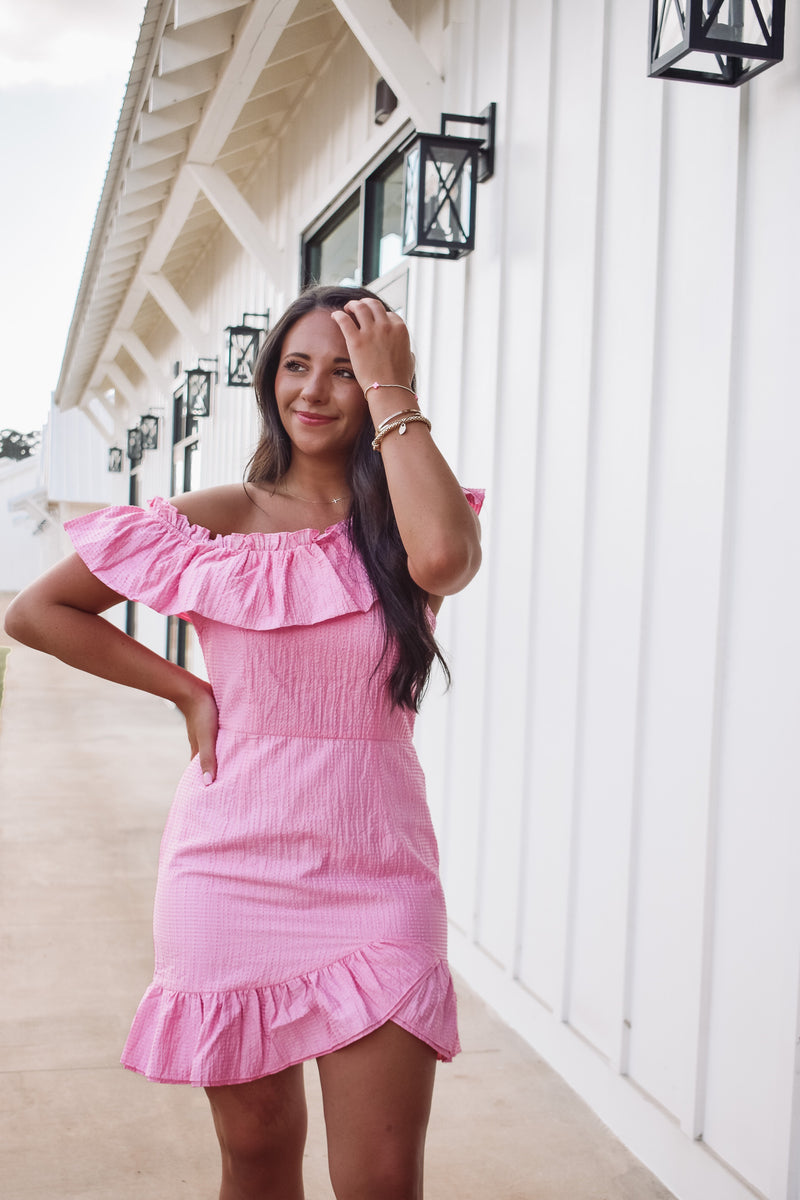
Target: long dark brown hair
(371,526)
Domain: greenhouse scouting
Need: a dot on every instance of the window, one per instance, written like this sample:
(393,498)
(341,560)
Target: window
(185,468)
(362,239)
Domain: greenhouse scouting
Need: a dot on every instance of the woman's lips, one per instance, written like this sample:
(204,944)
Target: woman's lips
(308,418)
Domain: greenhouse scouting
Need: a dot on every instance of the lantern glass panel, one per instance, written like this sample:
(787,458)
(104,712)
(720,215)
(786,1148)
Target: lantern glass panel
(242,353)
(135,445)
(738,21)
(411,193)
(115,460)
(149,428)
(447,213)
(198,388)
(670,28)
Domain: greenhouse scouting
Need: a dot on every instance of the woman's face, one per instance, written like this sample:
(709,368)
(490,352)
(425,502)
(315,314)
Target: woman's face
(320,404)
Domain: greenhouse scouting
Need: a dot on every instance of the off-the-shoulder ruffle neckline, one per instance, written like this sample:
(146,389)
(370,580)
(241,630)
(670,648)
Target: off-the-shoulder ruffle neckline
(172,516)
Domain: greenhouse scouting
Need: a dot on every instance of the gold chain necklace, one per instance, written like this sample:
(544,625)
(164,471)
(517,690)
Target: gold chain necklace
(291,496)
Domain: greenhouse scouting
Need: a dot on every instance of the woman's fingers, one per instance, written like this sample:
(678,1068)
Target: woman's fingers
(377,342)
(202,725)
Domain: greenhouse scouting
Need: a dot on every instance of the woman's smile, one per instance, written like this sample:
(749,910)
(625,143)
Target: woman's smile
(312,418)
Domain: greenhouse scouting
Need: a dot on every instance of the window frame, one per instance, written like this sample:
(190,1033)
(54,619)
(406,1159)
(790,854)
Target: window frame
(357,195)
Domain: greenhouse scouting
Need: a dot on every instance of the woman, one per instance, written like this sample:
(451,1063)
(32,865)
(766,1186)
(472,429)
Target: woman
(298,912)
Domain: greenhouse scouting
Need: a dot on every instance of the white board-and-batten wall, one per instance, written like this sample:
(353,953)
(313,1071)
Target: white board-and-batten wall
(614,773)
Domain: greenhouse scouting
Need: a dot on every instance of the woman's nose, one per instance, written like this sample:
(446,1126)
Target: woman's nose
(314,389)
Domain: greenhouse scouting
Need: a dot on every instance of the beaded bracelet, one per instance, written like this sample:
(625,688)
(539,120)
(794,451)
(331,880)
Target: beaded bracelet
(400,425)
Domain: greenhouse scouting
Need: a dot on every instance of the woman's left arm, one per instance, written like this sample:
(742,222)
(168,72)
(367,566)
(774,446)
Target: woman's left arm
(440,531)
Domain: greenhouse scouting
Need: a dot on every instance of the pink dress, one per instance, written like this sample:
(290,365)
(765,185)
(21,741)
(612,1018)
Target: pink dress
(298,904)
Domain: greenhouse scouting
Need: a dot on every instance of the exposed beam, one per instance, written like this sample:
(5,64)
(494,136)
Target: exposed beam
(145,361)
(108,408)
(126,393)
(394,50)
(239,217)
(176,310)
(173,218)
(106,434)
(255,40)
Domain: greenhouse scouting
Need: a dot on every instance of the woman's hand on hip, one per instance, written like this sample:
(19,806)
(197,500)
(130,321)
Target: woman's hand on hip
(199,709)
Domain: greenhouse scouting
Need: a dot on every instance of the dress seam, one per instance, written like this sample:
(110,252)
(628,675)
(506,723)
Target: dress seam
(266,987)
(315,737)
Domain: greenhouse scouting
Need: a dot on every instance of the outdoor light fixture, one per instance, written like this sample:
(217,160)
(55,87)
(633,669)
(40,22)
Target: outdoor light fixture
(135,446)
(198,388)
(149,427)
(725,42)
(243,343)
(385,102)
(115,460)
(440,184)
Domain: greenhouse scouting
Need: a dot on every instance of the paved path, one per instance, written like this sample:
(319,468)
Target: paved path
(86,774)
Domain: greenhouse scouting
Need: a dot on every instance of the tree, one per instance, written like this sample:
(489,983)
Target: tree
(16,445)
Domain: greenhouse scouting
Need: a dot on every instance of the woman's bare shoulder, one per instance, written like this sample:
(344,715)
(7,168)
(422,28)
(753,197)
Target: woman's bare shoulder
(221,510)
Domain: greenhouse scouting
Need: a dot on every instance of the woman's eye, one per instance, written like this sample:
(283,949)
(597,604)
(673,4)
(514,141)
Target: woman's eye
(293,365)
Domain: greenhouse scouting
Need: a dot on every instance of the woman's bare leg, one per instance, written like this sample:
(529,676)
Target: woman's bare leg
(261,1128)
(377,1099)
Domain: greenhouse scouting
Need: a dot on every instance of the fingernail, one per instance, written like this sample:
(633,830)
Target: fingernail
(207,778)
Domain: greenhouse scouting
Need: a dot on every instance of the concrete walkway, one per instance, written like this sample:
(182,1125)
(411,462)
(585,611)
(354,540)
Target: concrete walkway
(86,774)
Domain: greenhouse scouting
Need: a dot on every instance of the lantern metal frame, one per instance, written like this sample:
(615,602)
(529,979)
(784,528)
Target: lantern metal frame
(198,387)
(243,345)
(134,446)
(115,459)
(149,427)
(737,61)
(471,161)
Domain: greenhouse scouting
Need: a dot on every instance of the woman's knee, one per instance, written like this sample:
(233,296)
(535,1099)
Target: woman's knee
(385,1175)
(260,1124)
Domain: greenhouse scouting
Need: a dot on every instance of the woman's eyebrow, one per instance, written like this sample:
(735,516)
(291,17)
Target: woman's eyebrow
(302,354)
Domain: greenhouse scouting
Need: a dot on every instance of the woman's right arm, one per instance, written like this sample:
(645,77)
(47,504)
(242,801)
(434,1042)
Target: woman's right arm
(60,615)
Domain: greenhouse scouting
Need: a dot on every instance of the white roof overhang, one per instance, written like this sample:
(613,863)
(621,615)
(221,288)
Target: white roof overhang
(213,84)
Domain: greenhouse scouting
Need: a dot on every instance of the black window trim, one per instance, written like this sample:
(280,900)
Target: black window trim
(355,192)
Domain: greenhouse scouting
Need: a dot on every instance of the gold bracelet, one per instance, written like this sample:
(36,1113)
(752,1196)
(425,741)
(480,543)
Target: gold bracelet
(404,412)
(402,387)
(400,426)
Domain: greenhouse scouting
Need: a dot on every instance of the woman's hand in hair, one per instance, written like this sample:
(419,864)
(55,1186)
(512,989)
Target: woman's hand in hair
(379,348)
(439,530)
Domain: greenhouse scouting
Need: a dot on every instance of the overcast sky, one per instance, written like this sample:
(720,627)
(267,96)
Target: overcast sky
(63,69)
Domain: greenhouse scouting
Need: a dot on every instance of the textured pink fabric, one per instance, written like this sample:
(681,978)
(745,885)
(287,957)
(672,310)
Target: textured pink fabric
(298,904)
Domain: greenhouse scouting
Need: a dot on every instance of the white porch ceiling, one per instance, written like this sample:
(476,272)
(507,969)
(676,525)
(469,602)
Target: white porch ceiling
(213,84)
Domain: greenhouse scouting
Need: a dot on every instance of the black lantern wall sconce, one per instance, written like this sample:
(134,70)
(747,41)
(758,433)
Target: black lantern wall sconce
(198,387)
(725,42)
(115,457)
(149,427)
(243,342)
(440,187)
(135,446)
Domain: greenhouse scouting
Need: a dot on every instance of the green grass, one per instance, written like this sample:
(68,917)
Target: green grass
(4,653)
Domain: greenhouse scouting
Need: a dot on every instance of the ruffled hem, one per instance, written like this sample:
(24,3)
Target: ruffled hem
(251,580)
(209,1039)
